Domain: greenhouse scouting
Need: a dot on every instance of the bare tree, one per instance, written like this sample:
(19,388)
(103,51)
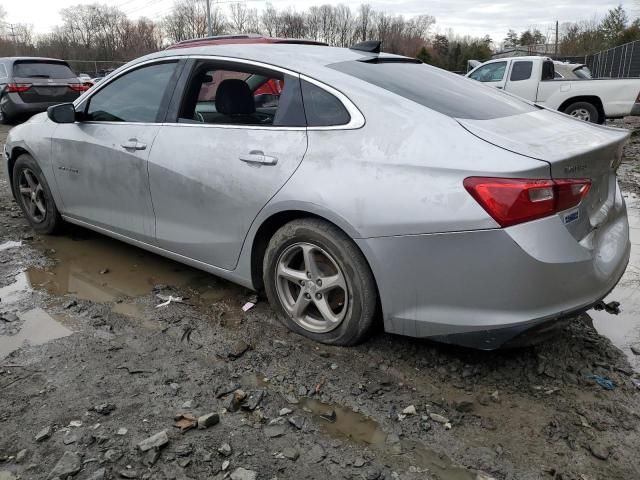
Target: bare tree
(270,20)
(292,24)
(365,13)
(239,17)
(344,26)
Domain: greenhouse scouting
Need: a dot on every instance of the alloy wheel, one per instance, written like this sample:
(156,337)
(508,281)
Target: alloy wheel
(581,114)
(32,194)
(311,287)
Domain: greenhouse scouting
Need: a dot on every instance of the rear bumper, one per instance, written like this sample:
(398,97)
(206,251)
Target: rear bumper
(13,106)
(482,288)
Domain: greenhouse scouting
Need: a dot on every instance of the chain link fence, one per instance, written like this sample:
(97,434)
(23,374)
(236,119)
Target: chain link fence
(618,62)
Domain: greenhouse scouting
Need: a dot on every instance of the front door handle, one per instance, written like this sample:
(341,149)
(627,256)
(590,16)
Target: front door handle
(258,157)
(133,144)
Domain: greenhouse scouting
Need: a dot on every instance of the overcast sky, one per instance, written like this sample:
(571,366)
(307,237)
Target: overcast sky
(465,17)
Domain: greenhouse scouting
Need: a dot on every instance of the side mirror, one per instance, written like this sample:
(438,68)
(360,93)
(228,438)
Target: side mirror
(63,113)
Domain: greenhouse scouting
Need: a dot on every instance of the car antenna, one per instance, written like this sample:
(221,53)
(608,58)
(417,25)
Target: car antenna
(370,46)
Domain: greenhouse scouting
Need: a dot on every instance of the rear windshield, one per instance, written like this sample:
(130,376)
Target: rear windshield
(444,92)
(41,69)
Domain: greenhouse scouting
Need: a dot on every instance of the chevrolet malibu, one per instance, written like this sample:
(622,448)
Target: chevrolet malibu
(351,186)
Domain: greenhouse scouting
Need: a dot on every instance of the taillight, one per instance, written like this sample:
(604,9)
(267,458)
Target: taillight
(17,87)
(79,87)
(516,200)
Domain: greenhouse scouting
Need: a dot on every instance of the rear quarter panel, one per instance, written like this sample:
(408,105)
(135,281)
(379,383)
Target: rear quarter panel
(402,172)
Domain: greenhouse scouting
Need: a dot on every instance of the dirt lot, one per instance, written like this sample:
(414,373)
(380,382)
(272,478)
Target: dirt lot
(101,369)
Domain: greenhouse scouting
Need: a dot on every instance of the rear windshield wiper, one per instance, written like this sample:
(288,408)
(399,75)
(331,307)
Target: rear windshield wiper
(39,76)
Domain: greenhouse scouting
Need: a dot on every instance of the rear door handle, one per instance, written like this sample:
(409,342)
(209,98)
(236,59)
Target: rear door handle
(133,144)
(258,157)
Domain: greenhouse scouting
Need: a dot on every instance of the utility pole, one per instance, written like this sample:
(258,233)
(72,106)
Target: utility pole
(556,50)
(209,31)
(13,36)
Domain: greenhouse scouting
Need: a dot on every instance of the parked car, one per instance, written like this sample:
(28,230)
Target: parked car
(30,85)
(533,78)
(576,71)
(364,190)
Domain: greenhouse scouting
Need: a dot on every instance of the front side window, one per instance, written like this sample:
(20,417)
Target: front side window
(135,96)
(224,94)
(521,71)
(494,72)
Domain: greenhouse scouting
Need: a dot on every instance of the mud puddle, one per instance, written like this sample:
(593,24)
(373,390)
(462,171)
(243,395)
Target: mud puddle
(343,423)
(103,270)
(624,329)
(38,328)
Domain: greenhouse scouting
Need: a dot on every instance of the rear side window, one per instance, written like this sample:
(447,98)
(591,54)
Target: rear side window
(225,93)
(41,69)
(442,91)
(321,108)
(548,71)
(521,71)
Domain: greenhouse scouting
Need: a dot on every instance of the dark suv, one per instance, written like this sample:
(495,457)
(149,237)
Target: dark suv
(30,85)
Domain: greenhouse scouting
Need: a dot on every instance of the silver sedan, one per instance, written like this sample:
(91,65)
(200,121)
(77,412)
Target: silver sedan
(352,187)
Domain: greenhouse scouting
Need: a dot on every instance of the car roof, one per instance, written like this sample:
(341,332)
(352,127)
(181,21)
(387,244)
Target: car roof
(239,39)
(525,57)
(303,58)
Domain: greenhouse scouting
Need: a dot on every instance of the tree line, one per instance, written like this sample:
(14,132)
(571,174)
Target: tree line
(583,37)
(104,32)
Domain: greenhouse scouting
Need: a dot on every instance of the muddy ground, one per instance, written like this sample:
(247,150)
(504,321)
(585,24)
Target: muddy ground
(89,368)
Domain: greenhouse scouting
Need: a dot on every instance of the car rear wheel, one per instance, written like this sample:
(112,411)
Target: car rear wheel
(583,111)
(34,196)
(319,282)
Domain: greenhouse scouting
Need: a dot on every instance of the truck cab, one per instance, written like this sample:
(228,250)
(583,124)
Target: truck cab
(520,75)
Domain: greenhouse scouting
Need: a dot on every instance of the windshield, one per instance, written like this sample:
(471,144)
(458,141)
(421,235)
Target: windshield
(41,69)
(437,89)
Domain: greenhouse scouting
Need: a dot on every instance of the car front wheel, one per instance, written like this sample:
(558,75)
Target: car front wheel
(34,196)
(319,282)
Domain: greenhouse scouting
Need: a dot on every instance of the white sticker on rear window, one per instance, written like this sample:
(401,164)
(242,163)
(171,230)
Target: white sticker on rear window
(571,216)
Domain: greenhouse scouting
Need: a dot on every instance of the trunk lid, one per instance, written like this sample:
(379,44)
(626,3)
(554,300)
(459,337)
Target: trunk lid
(50,81)
(573,149)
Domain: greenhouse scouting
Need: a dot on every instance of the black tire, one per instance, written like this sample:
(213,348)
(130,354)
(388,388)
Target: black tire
(51,221)
(580,109)
(362,294)
(5,119)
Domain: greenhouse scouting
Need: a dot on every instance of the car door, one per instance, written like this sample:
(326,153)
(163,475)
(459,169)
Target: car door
(100,161)
(522,81)
(491,74)
(223,153)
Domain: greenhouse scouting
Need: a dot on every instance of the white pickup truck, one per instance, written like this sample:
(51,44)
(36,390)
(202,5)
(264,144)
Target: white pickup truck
(532,78)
